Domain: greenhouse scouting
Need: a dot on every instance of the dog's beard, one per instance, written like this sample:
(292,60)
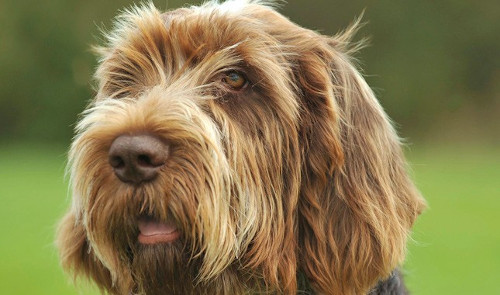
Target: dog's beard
(163,269)
(158,268)
(155,268)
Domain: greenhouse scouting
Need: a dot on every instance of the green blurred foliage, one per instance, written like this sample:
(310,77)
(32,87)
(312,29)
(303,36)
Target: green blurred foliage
(434,64)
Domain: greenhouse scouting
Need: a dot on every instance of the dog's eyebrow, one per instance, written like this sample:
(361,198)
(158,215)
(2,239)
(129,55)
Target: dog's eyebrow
(188,61)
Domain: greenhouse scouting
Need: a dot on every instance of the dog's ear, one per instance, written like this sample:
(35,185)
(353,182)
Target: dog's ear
(76,255)
(357,201)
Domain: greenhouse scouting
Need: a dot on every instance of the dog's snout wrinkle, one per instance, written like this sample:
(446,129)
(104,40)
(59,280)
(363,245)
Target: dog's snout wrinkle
(137,158)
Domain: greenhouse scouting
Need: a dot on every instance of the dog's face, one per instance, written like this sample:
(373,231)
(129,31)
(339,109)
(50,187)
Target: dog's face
(228,150)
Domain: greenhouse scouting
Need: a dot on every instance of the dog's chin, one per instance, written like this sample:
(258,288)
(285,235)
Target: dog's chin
(159,265)
(159,260)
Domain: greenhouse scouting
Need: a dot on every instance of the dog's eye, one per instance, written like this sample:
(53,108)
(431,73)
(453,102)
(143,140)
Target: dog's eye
(235,80)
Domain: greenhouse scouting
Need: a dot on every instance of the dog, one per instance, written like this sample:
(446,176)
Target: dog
(231,151)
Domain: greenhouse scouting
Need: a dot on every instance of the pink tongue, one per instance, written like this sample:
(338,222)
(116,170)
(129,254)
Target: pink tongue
(149,227)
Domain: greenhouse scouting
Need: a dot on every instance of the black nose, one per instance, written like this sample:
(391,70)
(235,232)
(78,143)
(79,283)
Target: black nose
(137,158)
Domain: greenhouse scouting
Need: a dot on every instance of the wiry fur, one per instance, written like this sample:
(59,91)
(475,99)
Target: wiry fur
(300,173)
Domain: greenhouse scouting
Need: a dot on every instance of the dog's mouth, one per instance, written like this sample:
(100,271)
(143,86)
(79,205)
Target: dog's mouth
(152,231)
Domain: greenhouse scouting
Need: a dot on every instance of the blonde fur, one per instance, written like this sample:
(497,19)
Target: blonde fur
(302,172)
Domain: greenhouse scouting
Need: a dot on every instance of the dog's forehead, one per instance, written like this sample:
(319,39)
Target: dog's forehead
(222,24)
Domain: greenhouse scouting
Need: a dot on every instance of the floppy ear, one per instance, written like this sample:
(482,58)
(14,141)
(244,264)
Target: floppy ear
(357,201)
(76,255)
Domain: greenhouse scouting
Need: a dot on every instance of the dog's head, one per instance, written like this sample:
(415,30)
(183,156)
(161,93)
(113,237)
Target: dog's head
(264,155)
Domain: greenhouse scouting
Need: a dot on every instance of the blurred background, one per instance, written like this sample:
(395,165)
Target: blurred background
(435,66)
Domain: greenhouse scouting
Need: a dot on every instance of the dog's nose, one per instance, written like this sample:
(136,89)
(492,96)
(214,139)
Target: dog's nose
(137,158)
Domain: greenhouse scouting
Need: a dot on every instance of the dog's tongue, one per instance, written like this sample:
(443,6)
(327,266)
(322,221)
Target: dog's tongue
(152,231)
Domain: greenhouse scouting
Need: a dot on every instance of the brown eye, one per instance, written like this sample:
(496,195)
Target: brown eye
(235,80)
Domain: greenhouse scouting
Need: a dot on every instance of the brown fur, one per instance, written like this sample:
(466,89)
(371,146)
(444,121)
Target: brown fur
(300,172)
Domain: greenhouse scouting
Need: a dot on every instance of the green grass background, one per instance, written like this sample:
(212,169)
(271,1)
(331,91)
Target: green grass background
(455,247)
